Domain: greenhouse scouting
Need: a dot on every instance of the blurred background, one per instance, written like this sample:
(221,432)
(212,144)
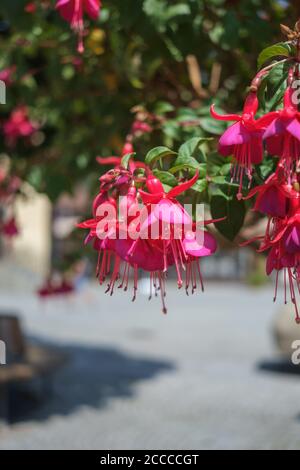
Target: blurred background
(87,371)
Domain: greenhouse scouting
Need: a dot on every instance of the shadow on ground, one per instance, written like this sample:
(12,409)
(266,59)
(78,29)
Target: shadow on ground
(91,377)
(279,366)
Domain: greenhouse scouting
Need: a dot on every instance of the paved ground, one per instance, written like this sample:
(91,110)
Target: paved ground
(139,379)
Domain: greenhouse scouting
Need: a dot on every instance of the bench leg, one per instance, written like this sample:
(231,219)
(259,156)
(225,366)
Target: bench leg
(4,412)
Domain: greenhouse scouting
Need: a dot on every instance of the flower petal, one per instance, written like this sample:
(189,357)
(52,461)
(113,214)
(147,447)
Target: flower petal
(199,244)
(92,8)
(236,134)
(183,187)
(294,128)
(171,213)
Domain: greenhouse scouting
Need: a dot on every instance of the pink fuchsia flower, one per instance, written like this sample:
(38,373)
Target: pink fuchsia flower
(6,75)
(30,7)
(282,136)
(18,126)
(243,139)
(123,254)
(194,251)
(280,260)
(73,12)
(272,197)
(141,127)
(283,241)
(172,223)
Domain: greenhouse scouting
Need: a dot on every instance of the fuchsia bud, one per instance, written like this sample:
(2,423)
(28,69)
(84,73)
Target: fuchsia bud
(128,148)
(140,127)
(154,185)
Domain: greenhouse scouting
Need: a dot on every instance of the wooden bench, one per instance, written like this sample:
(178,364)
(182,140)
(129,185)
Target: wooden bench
(25,363)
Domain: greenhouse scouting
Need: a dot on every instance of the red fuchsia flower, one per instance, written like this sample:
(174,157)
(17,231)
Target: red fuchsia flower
(73,12)
(284,245)
(177,241)
(272,197)
(282,136)
(53,289)
(127,148)
(18,126)
(282,238)
(9,228)
(194,251)
(30,7)
(243,139)
(129,250)
(141,127)
(117,161)
(6,75)
(166,214)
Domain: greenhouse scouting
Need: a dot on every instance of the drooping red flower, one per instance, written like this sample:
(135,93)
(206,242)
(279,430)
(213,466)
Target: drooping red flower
(9,228)
(125,241)
(243,139)
(272,197)
(141,127)
(73,11)
(282,239)
(282,136)
(285,255)
(54,289)
(30,7)
(6,75)
(18,126)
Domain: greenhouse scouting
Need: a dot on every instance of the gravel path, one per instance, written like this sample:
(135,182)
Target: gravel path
(137,379)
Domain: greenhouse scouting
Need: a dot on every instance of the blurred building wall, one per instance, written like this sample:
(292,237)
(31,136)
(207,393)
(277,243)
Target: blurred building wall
(31,248)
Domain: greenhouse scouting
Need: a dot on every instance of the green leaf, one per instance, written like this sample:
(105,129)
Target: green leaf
(177,10)
(190,162)
(277,50)
(276,77)
(276,99)
(234,211)
(191,148)
(182,167)
(157,153)
(225,169)
(212,126)
(126,158)
(217,164)
(265,168)
(163,107)
(166,177)
(200,185)
(261,94)
(216,190)
(219,179)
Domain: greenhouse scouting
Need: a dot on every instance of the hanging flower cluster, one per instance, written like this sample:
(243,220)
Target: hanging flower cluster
(73,11)
(278,133)
(137,226)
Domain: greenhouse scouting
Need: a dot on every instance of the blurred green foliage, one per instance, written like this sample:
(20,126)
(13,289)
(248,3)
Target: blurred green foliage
(136,53)
(172,58)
